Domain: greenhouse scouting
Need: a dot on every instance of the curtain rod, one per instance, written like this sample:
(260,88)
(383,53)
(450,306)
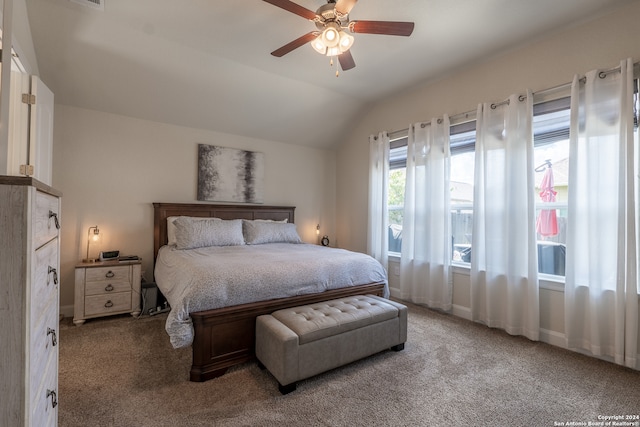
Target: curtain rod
(468,116)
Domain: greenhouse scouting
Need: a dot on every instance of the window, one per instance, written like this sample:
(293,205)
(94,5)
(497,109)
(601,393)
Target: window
(395,192)
(462,142)
(551,155)
(551,160)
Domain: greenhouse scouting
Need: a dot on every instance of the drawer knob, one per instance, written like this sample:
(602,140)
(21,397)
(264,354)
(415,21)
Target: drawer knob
(54,215)
(109,287)
(54,339)
(108,304)
(109,274)
(55,275)
(54,398)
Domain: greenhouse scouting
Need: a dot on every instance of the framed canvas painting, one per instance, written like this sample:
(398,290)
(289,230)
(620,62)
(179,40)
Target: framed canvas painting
(230,175)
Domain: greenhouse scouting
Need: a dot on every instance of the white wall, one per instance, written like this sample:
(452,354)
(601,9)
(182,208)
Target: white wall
(112,168)
(22,41)
(543,64)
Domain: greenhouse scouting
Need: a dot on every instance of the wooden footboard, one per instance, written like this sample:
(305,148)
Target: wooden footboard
(226,337)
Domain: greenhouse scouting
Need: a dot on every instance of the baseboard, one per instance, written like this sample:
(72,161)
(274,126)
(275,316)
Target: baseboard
(66,310)
(553,338)
(394,292)
(461,311)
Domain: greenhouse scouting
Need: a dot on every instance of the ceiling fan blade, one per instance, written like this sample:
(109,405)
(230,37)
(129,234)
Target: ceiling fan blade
(293,8)
(295,44)
(345,6)
(346,61)
(389,28)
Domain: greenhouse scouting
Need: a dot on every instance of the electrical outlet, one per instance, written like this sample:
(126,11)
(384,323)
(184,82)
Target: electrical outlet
(396,270)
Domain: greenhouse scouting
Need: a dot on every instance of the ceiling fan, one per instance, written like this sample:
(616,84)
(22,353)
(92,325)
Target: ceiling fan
(332,22)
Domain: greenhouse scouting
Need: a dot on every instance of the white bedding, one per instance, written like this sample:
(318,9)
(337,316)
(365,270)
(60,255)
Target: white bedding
(219,276)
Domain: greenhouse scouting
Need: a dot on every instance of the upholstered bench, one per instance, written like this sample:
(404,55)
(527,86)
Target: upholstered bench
(300,342)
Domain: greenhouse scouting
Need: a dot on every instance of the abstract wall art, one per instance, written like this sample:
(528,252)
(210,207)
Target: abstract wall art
(230,175)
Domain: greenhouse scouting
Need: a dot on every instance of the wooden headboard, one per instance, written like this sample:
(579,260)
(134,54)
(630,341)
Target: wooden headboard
(161,211)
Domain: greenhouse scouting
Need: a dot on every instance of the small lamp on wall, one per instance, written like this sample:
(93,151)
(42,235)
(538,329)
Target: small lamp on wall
(91,237)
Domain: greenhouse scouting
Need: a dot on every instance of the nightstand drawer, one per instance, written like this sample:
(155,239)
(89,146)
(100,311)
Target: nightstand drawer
(106,304)
(108,274)
(106,288)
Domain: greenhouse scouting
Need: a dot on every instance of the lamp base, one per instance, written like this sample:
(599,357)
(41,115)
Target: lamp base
(88,260)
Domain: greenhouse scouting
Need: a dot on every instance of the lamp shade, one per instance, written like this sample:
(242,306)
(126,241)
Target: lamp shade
(331,35)
(346,41)
(319,46)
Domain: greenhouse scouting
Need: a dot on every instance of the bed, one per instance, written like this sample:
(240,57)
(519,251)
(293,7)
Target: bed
(224,336)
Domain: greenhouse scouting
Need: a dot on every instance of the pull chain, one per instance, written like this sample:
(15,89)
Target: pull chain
(331,64)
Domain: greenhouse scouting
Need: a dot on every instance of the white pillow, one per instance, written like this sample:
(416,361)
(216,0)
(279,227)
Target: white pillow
(171,227)
(258,232)
(202,232)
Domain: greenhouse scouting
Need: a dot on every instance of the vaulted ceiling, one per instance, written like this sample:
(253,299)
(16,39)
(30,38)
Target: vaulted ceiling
(206,63)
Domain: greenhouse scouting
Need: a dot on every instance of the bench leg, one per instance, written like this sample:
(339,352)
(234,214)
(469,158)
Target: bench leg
(286,389)
(398,347)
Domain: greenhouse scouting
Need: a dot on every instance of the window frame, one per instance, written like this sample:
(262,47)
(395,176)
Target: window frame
(468,124)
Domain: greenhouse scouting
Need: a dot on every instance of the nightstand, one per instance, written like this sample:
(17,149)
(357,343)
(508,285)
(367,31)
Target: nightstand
(106,288)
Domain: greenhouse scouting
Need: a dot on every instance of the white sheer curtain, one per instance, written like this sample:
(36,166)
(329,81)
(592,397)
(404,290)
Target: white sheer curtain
(378,235)
(426,240)
(504,270)
(601,290)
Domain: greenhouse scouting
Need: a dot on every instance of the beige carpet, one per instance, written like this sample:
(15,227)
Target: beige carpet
(121,371)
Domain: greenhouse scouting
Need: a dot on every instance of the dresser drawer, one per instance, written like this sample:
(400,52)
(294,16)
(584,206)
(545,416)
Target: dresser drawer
(43,340)
(46,279)
(44,399)
(46,218)
(108,274)
(107,304)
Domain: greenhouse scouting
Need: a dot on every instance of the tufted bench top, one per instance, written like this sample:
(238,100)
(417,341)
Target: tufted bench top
(317,321)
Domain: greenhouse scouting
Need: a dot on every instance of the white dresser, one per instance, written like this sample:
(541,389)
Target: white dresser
(29,302)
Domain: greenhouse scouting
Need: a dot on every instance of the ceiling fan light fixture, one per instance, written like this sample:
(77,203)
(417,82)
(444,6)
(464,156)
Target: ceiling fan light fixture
(343,43)
(346,41)
(318,45)
(331,21)
(331,35)
(333,51)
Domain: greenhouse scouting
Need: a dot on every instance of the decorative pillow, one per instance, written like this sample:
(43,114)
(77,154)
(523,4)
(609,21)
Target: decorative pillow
(198,232)
(258,232)
(171,227)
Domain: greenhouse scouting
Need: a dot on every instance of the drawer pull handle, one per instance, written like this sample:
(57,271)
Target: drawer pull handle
(109,274)
(109,287)
(55,275)
(54,339)
(54,215)
(54,398)
(108,304)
